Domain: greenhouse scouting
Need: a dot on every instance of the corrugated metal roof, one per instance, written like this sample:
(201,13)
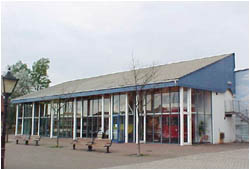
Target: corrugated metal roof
(165,73)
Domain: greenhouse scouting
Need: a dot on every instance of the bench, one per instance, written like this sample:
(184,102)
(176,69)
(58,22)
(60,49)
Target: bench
(100,142)
(81,142)
(35,138)
(24,138)
(27,139)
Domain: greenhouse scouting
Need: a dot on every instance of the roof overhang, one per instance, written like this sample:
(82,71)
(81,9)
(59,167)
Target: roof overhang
(169,83)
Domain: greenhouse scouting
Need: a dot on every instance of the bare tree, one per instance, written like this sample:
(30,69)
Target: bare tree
(140,78)
(57,105)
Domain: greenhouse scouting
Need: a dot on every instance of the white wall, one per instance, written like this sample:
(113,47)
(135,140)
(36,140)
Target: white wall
(220,122)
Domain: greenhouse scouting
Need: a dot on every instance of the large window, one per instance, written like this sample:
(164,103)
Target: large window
(45,119)
(201,116)
(64,110)
(20,116)
(91,121)
(163,120)
(36,119)
(27,119)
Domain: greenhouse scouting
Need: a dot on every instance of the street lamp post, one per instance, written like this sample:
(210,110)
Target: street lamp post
(9,83)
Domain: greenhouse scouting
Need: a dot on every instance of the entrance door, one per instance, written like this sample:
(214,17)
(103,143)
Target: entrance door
(118,128)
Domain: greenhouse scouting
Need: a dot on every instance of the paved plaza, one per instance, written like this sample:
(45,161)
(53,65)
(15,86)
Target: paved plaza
(234,155)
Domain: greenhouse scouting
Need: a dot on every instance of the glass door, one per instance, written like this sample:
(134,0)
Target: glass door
(118,128)
(121,128)
(115,129)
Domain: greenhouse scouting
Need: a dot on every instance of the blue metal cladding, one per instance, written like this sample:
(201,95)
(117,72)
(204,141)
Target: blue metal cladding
(214,77)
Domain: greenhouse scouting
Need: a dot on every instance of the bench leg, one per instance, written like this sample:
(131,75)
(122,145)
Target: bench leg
(89,148)
(107,149)
(26,142)
(36,142)
(74,146)
(16,141)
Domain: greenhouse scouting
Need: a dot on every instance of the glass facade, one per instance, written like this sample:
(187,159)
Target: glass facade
(159,116)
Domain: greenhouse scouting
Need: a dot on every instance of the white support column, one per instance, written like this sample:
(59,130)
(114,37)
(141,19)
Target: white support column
(52,120)
(81,119)
(22,118)
(111,118)
(39,118)
(181,118)
(126,119)
(189,110)
(103,114)
(32,120)
(137,120)
(74,125)
(16,119)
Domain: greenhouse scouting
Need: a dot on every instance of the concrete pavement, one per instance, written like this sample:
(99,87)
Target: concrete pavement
(237,159)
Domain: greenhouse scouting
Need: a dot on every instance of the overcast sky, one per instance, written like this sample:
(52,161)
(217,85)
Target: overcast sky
(85,39)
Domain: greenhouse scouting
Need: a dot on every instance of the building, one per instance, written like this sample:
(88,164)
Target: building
(183,104)
(242,100)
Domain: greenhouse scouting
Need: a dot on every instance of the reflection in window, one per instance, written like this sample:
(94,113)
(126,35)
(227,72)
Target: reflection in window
(91,107)
(122,103)
(131,102)
(85,108)
(185,99)
(157,102)
(106,105)
(95,108)
(149,104)
(116,104)
(175,99)
(20,111)
(100,106)
(165,101)
(78,107)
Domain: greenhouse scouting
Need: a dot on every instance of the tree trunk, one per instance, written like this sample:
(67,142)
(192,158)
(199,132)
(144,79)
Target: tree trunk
(138,129)
(58,122)
(139,143)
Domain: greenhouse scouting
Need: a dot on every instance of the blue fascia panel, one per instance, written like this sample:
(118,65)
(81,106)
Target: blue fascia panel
(214,77)
(96,92)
